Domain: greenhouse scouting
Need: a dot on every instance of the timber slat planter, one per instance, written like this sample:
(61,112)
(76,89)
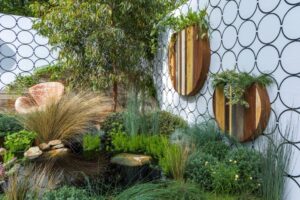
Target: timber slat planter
(189,60)
(243,123)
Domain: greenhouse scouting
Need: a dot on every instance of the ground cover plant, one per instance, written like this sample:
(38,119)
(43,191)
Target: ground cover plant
(9,124)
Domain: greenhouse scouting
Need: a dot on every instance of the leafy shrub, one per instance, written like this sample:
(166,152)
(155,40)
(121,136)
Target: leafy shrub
(225,179)
(248,163)
(217,149)
(68,193)
(203,133)
(163,122)
(168,123)
(113,122)
(91,142)
(199,169)
(9,124)
(19,141)
(163,191)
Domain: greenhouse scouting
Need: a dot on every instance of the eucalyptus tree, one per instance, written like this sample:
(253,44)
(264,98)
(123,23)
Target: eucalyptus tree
(18,7)
(103,42)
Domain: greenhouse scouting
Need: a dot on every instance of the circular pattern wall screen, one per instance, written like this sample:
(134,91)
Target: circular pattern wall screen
(189,60)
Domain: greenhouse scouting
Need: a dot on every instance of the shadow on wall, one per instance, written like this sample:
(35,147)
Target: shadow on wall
(7,57)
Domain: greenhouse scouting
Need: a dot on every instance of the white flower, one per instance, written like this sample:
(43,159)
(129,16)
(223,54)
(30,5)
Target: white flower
(206,163)
(236,177)
(250,177)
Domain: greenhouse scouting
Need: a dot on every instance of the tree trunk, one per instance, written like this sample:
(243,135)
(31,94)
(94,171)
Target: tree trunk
(115,95)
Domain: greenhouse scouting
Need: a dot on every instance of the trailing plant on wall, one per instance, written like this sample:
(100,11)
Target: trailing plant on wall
(192,18)
(235,84)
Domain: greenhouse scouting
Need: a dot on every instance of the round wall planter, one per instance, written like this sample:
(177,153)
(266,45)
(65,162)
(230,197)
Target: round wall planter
(243,123)
(189,60)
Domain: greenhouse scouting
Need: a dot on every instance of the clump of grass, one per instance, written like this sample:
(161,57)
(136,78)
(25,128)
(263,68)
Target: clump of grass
(275,163)
(175,160)
(171,190)
(66,120)
(31,183)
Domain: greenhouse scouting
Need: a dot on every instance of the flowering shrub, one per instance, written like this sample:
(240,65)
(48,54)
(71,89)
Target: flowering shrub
(225,179)
(199,169)
(248,164)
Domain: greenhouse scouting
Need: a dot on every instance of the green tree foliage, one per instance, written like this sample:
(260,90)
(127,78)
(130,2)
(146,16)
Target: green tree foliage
(103,42)
(18,7)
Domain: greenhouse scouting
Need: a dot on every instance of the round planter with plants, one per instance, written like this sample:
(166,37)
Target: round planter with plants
(189,52)
(241,104)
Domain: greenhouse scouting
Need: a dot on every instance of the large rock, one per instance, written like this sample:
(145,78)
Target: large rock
(58,152)
(59,146)
(131,160)
(44,146)
(33,153)
(55,142)
(45,93)
(2,151)
(41,95)
(25,105)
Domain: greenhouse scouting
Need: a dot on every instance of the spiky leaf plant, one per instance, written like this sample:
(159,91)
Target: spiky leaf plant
(66,120)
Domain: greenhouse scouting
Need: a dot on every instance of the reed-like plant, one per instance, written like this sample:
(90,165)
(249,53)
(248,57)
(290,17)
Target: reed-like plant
(275,163)
(175,160)
(66,120)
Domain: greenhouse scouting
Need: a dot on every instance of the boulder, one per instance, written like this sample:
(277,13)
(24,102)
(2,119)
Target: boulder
(25,105)
(45,93)
(54,142)
(2,151)
(44,146)
(33,153)
(59,146)
(131,160)
(41,95)
(58,152)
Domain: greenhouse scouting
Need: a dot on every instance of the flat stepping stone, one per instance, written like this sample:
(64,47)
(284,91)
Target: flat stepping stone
(131,160)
